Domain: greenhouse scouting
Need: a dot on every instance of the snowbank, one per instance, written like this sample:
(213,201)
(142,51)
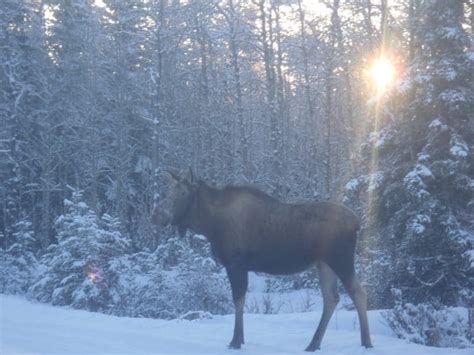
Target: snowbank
(37,328)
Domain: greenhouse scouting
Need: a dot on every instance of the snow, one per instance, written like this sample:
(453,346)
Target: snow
(418,223)
(470,254)
(200,237)
(453,96)
(28,327)
(260,299)
(423,157)
(436,123)
(421,170)
(380,139)
(459,147)
(374,181)
(451,32)
(143,164)
(354,183)
(414,180)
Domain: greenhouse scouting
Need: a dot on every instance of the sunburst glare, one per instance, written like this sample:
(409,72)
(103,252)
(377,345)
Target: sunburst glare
(93,273)
(382,73)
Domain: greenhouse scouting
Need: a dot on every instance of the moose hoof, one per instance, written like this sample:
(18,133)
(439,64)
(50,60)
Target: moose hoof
(234,345)
(312,348)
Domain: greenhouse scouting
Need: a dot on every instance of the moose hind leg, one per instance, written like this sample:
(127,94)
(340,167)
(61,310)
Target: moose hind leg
(239,282)
(328,284)
(341,260)
(359,297)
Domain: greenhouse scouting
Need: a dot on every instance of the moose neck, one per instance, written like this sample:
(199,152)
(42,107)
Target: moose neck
(200,217)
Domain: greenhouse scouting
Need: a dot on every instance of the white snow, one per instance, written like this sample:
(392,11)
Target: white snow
(450,32)
(459,147)
(418,223)
(453,96)
(380,139)
(414,180)
(355,183)
(470,254)
(423,157)
(27,327)
(436,124)
(375,180)
(470,55)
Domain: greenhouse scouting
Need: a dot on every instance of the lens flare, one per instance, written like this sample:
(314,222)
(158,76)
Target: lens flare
(94,277)
(94,274)
(382,73)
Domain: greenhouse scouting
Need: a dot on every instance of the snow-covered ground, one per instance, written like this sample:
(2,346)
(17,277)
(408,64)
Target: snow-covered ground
(28,327)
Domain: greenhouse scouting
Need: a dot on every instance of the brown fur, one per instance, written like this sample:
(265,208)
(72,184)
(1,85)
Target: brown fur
(245,225)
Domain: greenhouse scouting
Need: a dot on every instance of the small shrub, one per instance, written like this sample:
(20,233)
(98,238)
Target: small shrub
(427,324)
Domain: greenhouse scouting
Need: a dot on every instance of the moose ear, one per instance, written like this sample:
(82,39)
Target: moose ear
(169,177)
(190,177)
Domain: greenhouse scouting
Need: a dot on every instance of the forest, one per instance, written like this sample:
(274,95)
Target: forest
(369,103)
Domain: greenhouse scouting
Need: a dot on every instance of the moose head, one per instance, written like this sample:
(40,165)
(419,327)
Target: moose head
(178,200)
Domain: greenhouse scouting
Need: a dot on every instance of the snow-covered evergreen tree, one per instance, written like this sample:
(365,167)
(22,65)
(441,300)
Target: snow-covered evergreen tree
(198,282)
(169,282)
(90,268)
(419,228)
(137,288)
(18,262)
(75,268)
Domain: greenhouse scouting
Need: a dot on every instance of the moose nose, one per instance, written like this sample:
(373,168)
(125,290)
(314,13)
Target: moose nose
(160,217)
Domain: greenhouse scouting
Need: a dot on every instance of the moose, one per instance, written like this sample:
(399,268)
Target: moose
(251,231)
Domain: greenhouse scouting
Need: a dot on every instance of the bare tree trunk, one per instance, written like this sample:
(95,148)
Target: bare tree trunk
(234,49)
(312,123)
(369,27)
(411,29)
(280,90)
(472,20)
(348,122)
(204,154)
(383,18)
(157,80)
(270,88)
(304,52)
(329,118)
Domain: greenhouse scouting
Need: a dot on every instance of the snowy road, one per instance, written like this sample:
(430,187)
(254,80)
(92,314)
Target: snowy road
(42,329)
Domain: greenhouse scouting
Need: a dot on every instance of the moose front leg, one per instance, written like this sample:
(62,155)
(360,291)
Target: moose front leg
(238,281)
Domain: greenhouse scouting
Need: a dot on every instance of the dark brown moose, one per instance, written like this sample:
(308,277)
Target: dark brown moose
(251,231)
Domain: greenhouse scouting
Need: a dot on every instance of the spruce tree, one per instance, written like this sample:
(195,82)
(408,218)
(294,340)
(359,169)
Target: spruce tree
(419,227)
(76,267)
(18,262)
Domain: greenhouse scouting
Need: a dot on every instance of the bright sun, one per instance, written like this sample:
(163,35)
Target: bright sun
(382,73)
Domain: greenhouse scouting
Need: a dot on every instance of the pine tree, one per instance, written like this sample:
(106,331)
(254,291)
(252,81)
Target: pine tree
(439,186)
(76,267)
(421,193)
(18,262)
(176,278)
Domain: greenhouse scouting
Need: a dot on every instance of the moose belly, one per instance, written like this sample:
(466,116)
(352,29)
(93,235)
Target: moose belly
(279,262)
